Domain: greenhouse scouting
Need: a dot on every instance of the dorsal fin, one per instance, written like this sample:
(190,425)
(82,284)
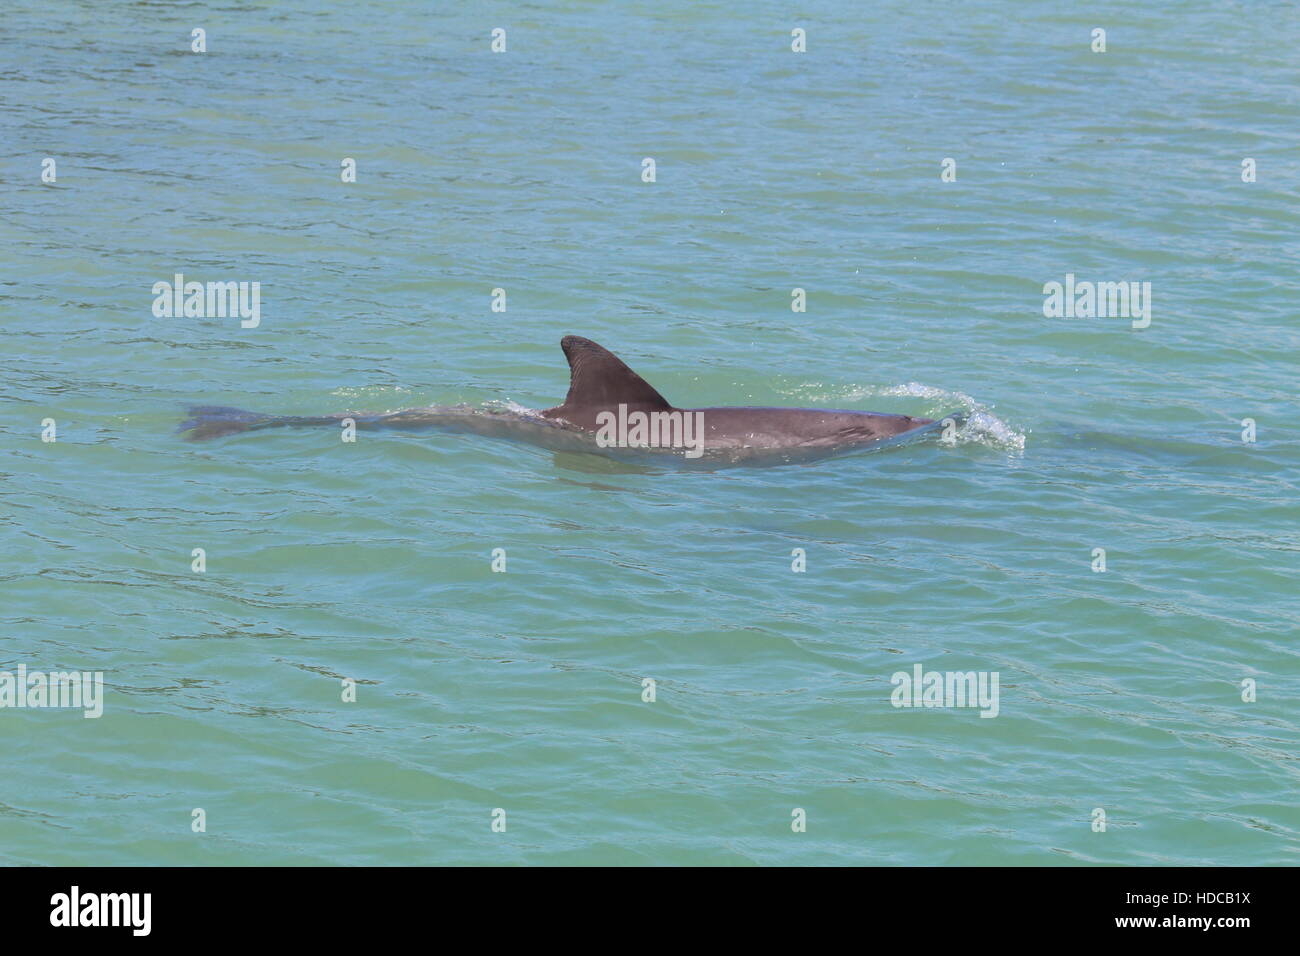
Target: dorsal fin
(599,379)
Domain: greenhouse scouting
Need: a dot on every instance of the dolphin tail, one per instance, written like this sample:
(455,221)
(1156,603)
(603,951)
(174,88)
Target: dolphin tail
(214,421)
(217,421)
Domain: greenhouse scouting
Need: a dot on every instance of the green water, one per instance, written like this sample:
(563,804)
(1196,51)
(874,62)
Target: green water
(371,561)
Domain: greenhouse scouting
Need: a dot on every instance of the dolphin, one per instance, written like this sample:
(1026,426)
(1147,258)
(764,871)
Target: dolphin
(611,410)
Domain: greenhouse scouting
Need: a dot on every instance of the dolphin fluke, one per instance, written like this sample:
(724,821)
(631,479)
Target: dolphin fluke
(217,421)
(214,421)
(599,379)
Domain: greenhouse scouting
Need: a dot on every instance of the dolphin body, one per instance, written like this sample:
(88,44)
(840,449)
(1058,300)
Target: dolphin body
(603,391)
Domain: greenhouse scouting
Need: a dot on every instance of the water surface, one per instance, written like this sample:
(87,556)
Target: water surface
(523,690)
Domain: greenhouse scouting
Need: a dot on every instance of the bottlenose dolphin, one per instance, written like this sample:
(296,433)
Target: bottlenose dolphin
(612,410)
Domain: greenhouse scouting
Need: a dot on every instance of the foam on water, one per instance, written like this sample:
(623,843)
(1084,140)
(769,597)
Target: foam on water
(981,425)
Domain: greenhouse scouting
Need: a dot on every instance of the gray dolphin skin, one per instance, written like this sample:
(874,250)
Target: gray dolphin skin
(600,414)
(600,382)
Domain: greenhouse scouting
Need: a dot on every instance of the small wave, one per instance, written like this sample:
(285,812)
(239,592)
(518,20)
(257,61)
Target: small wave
(384,399)
(510,405)
(367,391)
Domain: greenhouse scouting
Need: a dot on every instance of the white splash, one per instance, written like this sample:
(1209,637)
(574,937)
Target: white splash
(981,425)
(510,405)
(369,390)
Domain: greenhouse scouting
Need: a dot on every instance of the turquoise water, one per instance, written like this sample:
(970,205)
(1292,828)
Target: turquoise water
(1119,690)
